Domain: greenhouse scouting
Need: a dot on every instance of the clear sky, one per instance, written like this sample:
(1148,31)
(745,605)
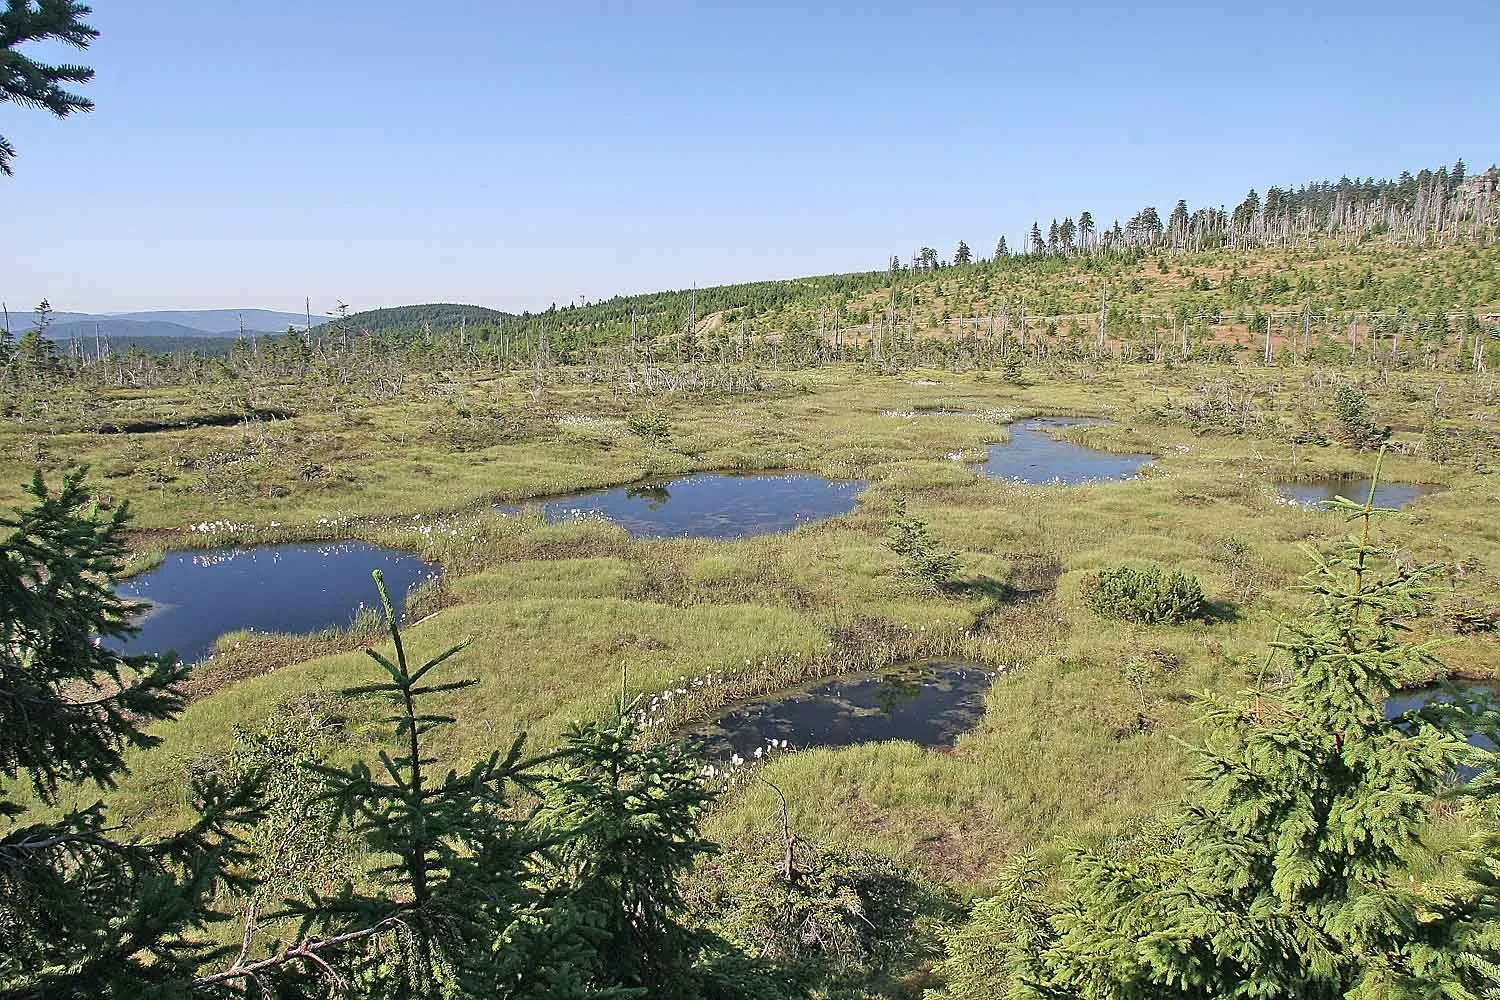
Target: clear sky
(246,154)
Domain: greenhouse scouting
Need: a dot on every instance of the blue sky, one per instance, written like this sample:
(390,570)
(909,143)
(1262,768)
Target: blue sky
(251,154)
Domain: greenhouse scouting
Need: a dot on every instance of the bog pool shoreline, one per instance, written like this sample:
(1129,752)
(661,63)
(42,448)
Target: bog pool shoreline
(715,505)
(198,595)
(930,702)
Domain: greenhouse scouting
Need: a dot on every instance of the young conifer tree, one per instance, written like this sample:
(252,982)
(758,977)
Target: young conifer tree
(447,909)
(86,910)
(627,815)
(472,895)
(1285,875)
(923,562)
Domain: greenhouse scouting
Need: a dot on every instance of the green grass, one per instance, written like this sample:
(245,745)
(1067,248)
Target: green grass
(528,679)
(557,613)
(600,577)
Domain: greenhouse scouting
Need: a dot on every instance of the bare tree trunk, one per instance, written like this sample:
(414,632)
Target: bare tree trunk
(1103,308)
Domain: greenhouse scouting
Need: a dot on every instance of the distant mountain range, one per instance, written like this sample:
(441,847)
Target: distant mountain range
(161,323)
(176,325)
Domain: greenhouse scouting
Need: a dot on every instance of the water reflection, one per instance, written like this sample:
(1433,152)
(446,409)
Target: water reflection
(200,595)
(1410,701)
(930,704)
(654,496)
(1316,492)
(711,504)
(1034,456)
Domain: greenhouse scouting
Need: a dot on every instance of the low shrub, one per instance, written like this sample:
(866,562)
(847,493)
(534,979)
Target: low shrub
(1150,596)
(837,918)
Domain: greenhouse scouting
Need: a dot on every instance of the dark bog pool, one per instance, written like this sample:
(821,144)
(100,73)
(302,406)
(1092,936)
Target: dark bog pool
(198,596)
(1409,701)
(712,504)
(929,704)
(1034,456)
(1314,492)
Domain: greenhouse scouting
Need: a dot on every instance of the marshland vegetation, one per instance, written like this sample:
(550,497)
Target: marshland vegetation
(1105,607)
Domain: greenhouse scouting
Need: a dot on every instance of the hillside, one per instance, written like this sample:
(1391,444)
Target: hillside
(221,321)
(1320,292)
(214,347)
(114,329)
(1319,257)
(1322,249)
(413,319)
(774,504)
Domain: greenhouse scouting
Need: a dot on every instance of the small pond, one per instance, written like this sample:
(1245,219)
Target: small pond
(1032,455)
(930,704)
(197,596)
(711,504)
(1407,701)
(1314,492)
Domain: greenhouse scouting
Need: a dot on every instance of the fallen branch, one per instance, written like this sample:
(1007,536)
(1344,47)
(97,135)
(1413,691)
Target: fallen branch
(306,952)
